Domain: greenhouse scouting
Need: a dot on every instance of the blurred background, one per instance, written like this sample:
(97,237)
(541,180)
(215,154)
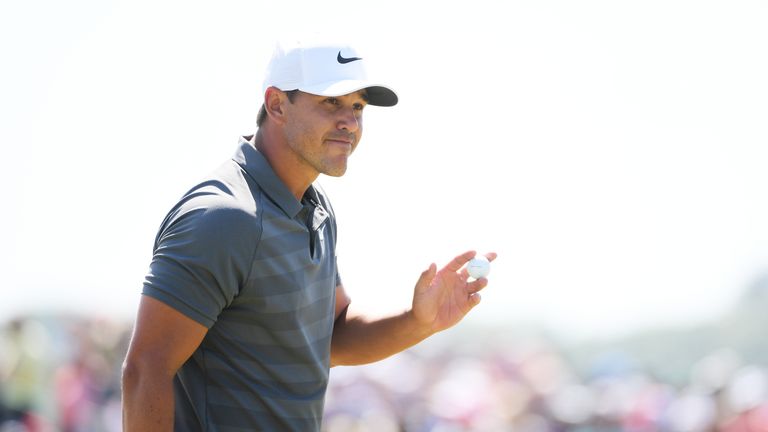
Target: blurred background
(612,153)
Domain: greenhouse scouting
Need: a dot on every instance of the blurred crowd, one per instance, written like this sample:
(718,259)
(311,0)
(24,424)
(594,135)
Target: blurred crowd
(529,386)
(62,374)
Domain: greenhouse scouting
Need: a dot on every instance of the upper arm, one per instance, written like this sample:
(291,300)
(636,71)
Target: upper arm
(342,301)
(163,337)
(202,258)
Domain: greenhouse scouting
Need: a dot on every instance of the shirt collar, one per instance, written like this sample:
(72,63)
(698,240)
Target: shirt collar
(258,168)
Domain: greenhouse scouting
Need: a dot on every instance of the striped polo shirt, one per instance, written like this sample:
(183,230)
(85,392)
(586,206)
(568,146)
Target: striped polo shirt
(242,256)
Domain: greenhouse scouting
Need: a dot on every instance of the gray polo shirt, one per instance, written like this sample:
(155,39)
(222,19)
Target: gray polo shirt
(242,256)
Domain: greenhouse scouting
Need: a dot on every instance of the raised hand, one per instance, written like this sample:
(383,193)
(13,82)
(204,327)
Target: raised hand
(442,298)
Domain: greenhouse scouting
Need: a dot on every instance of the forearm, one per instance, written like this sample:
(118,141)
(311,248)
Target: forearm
(359,340)
(148,403)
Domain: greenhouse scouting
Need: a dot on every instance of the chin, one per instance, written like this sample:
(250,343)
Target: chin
(336,172)
(335,169)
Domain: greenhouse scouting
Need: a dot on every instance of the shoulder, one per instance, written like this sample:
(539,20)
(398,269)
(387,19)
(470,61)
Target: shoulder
(217,210)
(224,216)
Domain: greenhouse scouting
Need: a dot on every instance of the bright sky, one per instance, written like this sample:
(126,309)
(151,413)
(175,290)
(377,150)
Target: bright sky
(614,154)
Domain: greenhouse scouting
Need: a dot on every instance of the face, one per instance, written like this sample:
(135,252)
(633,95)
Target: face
(323,131)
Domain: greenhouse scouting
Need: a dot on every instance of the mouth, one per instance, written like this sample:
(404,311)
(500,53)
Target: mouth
(339,141)
(346,142)
(348,139)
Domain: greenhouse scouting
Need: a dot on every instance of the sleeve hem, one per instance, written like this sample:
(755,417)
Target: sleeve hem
(180,306)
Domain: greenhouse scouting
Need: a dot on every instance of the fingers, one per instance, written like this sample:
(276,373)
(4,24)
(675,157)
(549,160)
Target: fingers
(474,299)
(464,273)
(457,263)
(477,285)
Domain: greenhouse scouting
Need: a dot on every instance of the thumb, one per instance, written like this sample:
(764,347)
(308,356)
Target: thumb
(426,277)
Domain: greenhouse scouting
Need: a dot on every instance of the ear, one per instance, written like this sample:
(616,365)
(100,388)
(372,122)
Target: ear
(274,100)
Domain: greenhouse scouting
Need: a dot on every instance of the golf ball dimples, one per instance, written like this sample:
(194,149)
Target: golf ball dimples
(478,267)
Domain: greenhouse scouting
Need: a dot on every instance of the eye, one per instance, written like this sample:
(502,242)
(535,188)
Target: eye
(358,107)
(332,101)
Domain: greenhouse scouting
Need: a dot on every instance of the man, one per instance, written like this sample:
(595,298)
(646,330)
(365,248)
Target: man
(243,310)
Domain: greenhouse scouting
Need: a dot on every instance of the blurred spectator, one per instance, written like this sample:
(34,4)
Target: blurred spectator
(62,374)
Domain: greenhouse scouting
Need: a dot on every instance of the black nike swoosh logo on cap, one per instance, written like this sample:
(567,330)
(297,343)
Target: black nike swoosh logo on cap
(344,60)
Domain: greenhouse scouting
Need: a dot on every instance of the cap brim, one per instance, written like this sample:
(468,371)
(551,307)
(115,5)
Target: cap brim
(381,96)
(378,95)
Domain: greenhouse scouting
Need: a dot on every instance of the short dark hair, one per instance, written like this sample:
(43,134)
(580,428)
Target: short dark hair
(263,110)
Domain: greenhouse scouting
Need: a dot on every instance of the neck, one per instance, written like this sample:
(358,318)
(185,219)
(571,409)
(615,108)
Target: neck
(283,161)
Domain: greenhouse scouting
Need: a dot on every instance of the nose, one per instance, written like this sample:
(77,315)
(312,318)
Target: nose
(349,120)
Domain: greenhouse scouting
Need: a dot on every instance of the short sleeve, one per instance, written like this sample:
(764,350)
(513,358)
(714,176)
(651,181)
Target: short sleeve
(201,259)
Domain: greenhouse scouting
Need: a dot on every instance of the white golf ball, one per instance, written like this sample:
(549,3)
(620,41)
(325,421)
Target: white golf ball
(478,267)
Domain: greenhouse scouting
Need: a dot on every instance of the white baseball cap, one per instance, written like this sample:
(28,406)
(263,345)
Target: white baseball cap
(323,69)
